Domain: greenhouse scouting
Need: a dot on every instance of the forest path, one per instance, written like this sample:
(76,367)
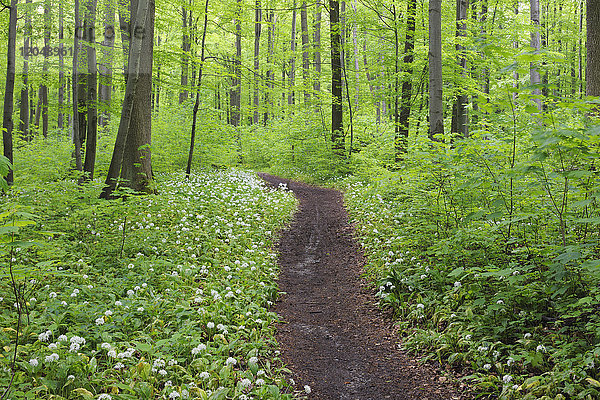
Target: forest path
(333,337)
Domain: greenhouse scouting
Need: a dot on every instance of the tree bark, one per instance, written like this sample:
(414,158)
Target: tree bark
(235,93)
(92,78)
(185,55)
(409,47)
(257,31)
(459,111)
(592,72)
(45,68)
(9,89)
(24,104)
(188,170)
(271,19)
(317,48)
(535,43)
(105,67)
(436,112)
(305,50)
(125,28)
(75,92)
(61,66)
(131,155)
(337,129)
(292,74)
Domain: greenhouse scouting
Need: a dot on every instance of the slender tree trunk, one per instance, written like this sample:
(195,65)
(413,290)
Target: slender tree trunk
(257,31)
(592,72)
(356,58)
(409,57)
(125,27)
(45,68)
(317,48)
(75,92)
(61,66)
(9,89)
(337,129)
(92,78)
(157,85)
(292,74)
(535,43)
(580,53)
(24,105)
(105,67)
(436,112)
(396,89)
(305,52)
(459,111)
(235,97)
(270,74)
(131,155)
(185,55)
(188,170)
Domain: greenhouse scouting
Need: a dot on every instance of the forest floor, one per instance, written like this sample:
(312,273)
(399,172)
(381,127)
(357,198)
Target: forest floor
(332,335)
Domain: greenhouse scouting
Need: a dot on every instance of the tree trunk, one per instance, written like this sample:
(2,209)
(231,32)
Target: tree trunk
(317,48)
(436,112)
(9,89)
(156,103)
(257,31)
(409,47)
(105,67)
(356,58)
(592,72)
(292,74)
(125,27)
(45,68)
(459,111)
(24,105)
(131,155)
(535,43)
(235,93)
(305,51)
(270,74)
(337,130)
(185,56)
(188,170)
(61,66)
(396,89)
(92,78)
(75,92)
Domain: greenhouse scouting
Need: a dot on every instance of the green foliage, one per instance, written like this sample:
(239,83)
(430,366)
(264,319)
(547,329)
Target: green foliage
(145,296)
(5,167)
(492,264)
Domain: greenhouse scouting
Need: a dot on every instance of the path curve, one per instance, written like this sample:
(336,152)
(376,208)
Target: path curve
(333,337)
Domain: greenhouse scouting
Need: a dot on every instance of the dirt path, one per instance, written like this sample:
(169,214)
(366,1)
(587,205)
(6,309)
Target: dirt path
(333,338)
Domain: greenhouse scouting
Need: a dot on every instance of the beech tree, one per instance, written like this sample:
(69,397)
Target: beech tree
(337,127)
(592,71)
(436,114)
(9,88)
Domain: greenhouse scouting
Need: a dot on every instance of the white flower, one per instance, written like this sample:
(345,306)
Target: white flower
(210,325)
(53,346)
(204,375)
(140,309)
(420,306)
(500,302)
(64,303)
(510,361)
(506,378)
(130,293)
(198,349)
(100,321)
(162,372)
(541,348)
(457,284)
(260,382)
(245,382)
(74,347)
(52,357)
(468,337)
(253,360)
(487,367)
(106,346)
(119,365)
(118,303)
(34,362)
(231,361)
(307,389)
(174,394)
(70,377)
(527,335)
(105,396)
(45,336)
(52,295)
(112,353)
(62,338)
